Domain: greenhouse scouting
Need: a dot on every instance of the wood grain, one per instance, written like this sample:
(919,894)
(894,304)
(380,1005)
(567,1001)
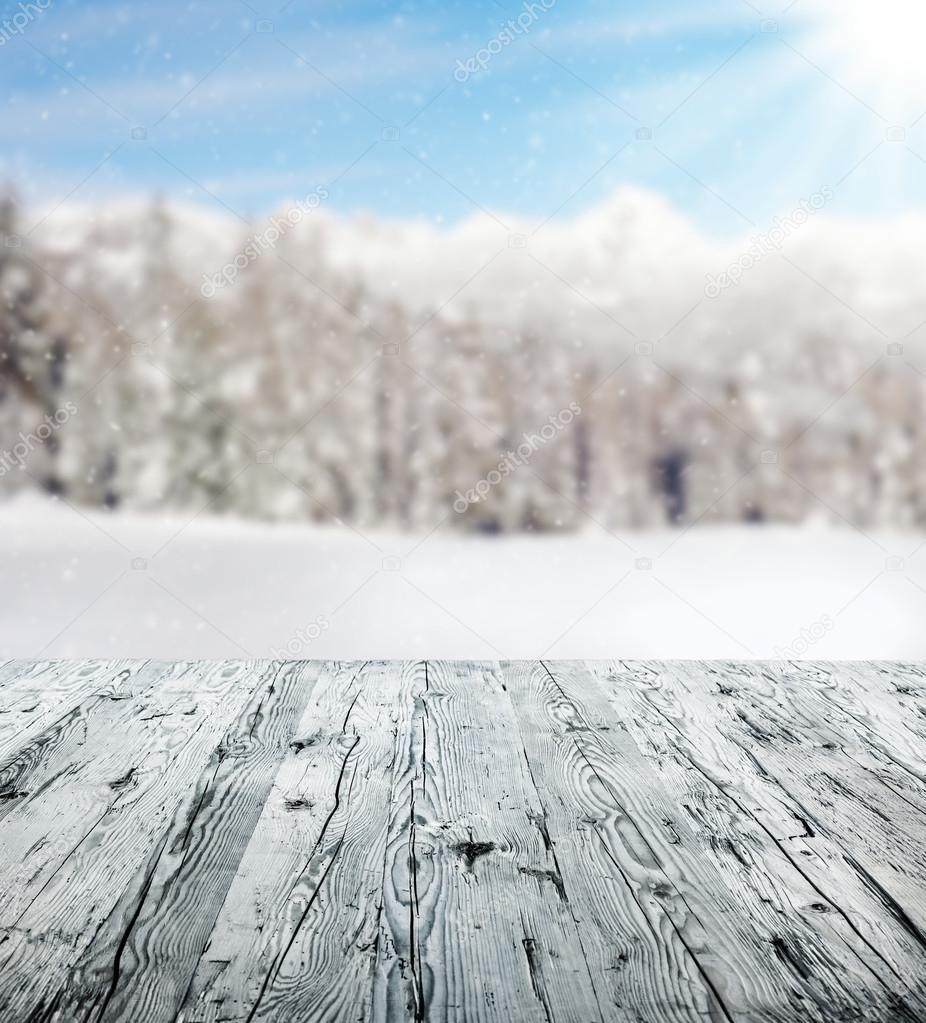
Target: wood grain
(298,928)
(695,953)
(456,841)
(831,929)
(476,922)
(135,859)
(39,693)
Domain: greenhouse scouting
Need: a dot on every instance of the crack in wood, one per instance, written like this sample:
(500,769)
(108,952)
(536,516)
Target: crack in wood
(558,841)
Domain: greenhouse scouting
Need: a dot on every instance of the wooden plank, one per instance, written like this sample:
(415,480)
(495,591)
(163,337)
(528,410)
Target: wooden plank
(644,843)
(143,957)
(875,833)
(888,704)
(476,921)
(40,693)
(612,853)
(843,946)
(79,915)
(778,723)
(59,834)
(18,676)
(296,935)
(871,716)
(890,685)
(791,715)
(92,763)
(16,669)
(59,751)
(747,967)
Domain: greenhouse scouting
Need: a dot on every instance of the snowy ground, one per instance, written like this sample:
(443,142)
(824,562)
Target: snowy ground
(78,585)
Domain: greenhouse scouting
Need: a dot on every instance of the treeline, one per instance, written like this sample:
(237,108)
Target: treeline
(307,391)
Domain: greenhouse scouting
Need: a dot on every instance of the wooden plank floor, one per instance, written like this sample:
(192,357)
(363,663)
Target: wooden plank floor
(581,841)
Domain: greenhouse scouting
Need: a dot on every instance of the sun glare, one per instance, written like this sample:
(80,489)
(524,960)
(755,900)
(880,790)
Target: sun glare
(873,47)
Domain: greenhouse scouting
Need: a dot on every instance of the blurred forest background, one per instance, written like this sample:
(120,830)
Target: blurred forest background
(489,329)
(371,372)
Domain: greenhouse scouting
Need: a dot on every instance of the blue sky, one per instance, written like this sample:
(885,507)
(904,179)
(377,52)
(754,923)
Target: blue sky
(749,106)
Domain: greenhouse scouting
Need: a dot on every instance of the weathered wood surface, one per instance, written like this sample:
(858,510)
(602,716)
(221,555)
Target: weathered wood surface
(451,841)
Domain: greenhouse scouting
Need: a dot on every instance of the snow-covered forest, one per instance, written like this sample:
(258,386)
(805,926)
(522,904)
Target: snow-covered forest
(386,373)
